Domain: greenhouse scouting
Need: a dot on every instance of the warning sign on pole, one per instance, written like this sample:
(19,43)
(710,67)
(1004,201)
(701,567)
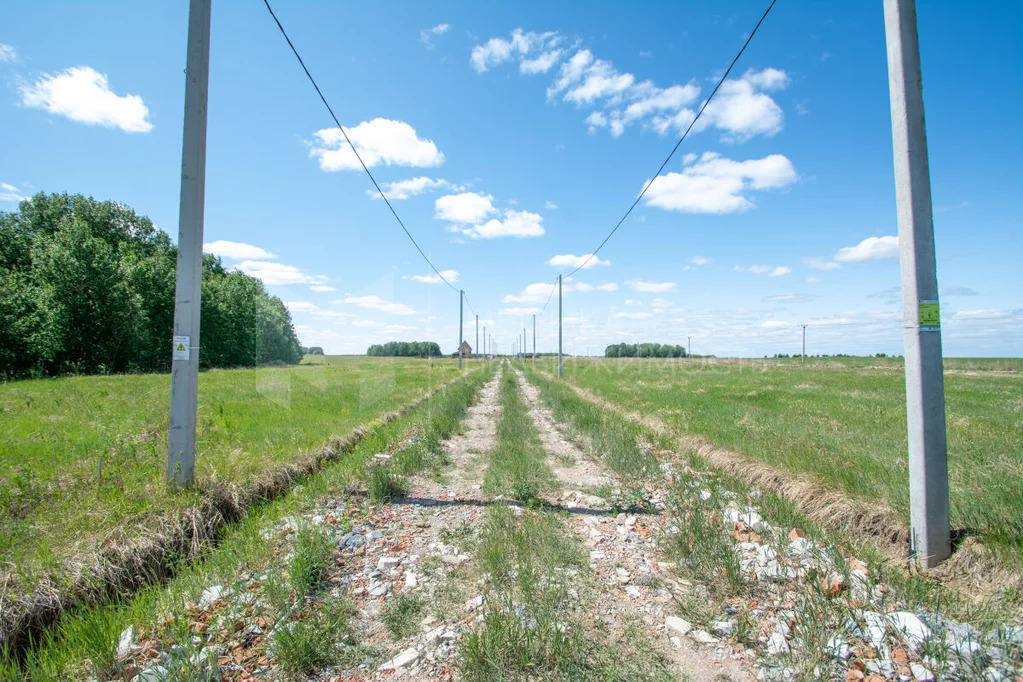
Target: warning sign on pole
(181,344)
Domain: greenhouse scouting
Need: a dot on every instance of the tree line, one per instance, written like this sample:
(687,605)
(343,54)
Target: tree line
(87,287)
(405,349)
(644,350)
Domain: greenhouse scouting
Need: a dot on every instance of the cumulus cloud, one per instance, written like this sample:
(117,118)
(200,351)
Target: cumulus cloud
(743,107)
(10,193)
(698,260)
(714,184)
(236,250)
(380,141)
(568,260)
(464,208)
(403,189)
(377,303)
(322,287)
(434,278)
(83,94)
(427,35)
(272,273)
(650,287)
(871,248)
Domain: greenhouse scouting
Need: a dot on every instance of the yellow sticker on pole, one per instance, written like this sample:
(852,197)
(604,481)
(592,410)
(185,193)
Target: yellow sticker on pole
(929,314)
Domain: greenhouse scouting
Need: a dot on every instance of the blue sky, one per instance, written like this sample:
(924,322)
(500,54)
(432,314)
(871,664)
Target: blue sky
(510,134)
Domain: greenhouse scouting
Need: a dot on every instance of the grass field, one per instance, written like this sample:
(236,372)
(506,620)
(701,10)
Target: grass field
(843,421)
(57,433)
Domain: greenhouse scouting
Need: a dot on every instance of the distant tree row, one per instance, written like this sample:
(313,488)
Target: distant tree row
(88,286)
(312,350)
(405,349)
(644,350)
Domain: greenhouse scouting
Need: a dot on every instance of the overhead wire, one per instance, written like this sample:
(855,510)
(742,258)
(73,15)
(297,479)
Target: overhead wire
(354,150)
(674,149)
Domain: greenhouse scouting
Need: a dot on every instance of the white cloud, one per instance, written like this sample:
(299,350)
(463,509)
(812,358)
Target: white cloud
(742,109)
(377,303)
(301,306)
(550,205)
(427,35)
(322,287)
(635,316)
(520,311)
(434,278)
(714,184)
(650,287)
(568,260)
(7,53)
(83,94)
(10,193)
(776,271)
(541,292)
(236,250)
(661,303)
(403,189)
(466,208)
(982,315)
(870,248)
(277,273)
(820,264)
(512,224)
(699,260)
(813,280)
(380,141)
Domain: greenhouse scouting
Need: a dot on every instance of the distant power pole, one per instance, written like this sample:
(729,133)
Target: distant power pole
(930,540)
(184,400)
(689,352)
(804,343)
(560,363)
(476,350)
(484,343)
(461,336)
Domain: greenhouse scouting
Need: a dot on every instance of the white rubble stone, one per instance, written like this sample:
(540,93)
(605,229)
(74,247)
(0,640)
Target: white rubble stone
(875,628)
(388,563)
(679,625)
(402,660)
(776,644)
(210,595)
(910,625)
(703,637)
(474,603)
(920,673)
(411,580)
(126,642)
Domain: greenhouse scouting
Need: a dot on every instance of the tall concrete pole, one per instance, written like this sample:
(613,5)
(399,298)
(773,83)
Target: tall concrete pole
(690,350)
(560,364)
(484,343)
(476,349)
(188,288)
(534,341)
(803,356)
(930,541)
(461,336)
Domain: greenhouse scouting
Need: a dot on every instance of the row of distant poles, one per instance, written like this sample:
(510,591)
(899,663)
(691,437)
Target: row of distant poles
(925,391)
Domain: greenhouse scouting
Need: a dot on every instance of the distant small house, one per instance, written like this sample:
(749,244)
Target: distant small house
(466,350)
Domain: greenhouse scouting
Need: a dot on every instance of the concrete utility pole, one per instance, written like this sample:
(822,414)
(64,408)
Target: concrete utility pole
(188,288)
(689,352)
(484,344)
(534,341)
(461,336)
(525,346)
(476,350)
(560,364)
(803,356)
(930,541)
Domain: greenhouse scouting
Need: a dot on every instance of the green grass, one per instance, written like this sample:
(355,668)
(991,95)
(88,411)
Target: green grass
(56,432)
(843,421)
(82,646)
(517,466)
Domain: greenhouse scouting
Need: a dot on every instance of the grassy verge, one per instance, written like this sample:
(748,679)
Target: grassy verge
(844,423)
(82,459)
(272,555)
(701,553)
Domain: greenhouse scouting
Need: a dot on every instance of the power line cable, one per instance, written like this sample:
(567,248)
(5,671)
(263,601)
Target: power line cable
(677,144)
(354,150)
